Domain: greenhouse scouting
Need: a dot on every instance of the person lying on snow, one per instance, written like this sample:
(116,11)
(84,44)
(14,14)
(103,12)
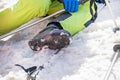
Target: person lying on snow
(79,14)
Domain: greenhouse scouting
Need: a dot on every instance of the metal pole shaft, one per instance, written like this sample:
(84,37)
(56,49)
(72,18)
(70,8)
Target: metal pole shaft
(110,10)
(118,50)
(111,65)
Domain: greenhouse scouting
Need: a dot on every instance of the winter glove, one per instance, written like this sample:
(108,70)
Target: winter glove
(71,5)
(100,1)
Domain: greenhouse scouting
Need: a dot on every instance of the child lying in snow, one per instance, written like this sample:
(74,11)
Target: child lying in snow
(80,16)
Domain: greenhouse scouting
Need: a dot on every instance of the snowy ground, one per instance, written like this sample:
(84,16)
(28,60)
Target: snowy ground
(86,58)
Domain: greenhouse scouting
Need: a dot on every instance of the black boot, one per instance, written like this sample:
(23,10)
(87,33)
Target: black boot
(52,36)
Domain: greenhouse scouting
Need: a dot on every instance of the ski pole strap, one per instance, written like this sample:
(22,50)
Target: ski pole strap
(94,15)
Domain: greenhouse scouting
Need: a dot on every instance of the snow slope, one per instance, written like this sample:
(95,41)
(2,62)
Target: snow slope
(86,58)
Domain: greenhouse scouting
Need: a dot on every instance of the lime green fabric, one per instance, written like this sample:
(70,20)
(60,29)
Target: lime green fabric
(76,22)
(55,6)
(22,12)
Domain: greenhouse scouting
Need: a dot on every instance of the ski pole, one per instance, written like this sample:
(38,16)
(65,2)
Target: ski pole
(116,47)
(116,28)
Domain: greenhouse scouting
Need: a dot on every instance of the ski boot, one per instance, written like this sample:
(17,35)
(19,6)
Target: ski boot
(52,37)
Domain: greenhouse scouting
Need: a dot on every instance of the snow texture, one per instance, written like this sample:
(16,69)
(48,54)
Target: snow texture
(86,58)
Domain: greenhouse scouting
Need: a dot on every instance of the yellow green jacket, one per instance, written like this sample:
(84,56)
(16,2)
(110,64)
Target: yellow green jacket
(25,10)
